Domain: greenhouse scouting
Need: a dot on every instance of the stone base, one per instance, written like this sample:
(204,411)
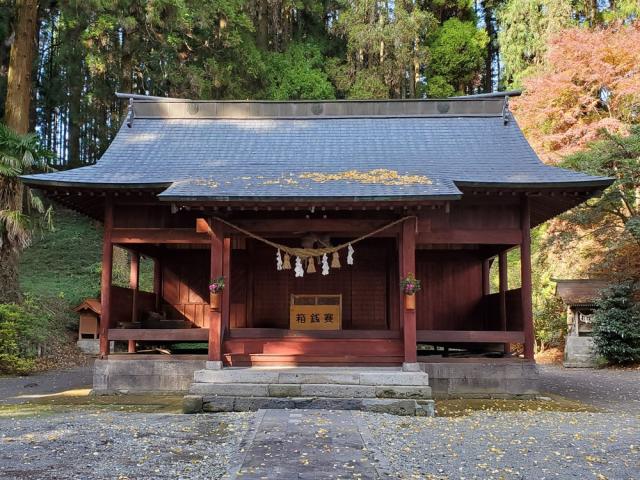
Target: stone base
(579,352)
(198,404)
(482,379)
(381,389)
(129,375)
(91,346)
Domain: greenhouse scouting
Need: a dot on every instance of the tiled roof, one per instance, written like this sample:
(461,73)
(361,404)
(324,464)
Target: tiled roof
(221,150)
(580,292)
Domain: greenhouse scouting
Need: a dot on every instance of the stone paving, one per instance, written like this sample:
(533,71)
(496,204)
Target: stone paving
(306,444)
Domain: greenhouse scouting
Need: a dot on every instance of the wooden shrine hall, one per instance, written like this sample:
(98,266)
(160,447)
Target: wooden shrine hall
(310,214)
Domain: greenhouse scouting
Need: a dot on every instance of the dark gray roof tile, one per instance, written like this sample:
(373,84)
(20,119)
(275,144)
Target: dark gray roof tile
(265,157)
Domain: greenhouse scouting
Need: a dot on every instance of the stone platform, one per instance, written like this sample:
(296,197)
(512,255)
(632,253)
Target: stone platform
(378,389)
(579,352)
(482,378)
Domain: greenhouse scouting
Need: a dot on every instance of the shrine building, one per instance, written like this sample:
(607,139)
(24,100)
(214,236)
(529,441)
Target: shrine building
(311,217)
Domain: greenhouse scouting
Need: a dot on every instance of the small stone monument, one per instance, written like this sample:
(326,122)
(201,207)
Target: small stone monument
(580,298)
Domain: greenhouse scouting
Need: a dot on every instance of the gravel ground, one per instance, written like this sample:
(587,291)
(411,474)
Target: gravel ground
(142,438)
(113,445)
(612,389)
(500,445)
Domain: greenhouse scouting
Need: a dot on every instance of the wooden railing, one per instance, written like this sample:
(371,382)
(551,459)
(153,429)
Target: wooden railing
(469,336)
(160,334)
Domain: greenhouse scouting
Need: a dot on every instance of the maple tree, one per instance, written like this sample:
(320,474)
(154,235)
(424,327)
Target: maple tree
(590,83)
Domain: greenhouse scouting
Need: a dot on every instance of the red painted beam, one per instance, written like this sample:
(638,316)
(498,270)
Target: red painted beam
(264,333)
(469,336)
(159,334)
(158,235)
(507,236)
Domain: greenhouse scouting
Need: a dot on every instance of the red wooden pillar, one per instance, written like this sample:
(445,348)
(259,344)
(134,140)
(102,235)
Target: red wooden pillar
(107,274)
(226,294)
(525,273)
(215,315)
(134,284)
(503,287)
(486,276)
(407,258)
(157,282)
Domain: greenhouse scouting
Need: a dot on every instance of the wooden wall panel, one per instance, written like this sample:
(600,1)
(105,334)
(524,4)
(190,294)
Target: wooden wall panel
(185,277)
(122,304)
(451,297)
(363,286)
(369,290)
(514,310)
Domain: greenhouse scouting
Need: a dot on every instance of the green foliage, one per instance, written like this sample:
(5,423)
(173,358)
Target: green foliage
(614,218)
(20,209)
(297,74)
(368,84)
(549,320)
(26,329)
(625,10)
(458,51)
(73,252)
(616,325)
(385,45)
(525,29)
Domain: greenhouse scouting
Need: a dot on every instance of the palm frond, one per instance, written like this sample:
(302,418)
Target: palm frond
(17,227)
(34,201)
(7,170)
(22,210)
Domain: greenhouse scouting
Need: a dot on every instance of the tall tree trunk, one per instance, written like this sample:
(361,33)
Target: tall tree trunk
(491,47)
(17,111)
(76,82)
(17,105)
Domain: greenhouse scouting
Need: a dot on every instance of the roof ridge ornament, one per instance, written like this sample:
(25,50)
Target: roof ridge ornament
(506,113)
(130,113)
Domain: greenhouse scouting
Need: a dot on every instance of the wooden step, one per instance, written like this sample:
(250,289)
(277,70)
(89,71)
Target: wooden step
(259,359)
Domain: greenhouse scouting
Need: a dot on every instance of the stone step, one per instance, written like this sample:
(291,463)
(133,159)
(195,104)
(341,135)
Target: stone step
(280,390)
(197,404)
(320,375)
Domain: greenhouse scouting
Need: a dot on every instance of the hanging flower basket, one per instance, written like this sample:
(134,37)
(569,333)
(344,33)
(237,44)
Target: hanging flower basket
(215,293)
(410,285)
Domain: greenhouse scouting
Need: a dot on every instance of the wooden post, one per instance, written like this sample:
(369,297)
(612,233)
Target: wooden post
(216,270)
(486,277)
(157,282)
(134,285)
(525,273)
(407,253)
(503,287)
(226,294)
(107,270)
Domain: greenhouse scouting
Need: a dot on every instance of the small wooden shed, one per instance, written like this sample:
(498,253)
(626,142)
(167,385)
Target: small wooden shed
(90,311)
